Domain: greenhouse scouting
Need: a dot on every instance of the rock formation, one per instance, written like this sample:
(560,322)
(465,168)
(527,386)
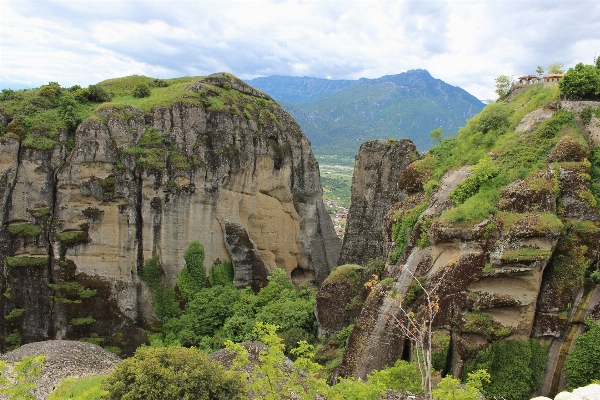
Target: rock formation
(374,190)
(77,225)
(519,271)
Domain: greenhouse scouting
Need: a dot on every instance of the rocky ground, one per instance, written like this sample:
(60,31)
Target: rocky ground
(65,358)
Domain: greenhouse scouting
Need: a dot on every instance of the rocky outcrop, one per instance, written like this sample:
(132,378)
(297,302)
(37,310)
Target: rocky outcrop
(64,358)
(250,269)
(518,272)
(340,298)
(374,190)
(78,225)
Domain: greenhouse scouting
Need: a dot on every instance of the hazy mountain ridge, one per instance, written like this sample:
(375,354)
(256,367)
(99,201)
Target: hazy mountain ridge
(337,116)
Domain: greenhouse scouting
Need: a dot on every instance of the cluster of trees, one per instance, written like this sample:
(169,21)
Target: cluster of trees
(582,81)
(207,311)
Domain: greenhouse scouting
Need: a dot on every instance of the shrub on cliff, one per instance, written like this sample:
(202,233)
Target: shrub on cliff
(172,373)
(583,362)
(192,278)
(515,367)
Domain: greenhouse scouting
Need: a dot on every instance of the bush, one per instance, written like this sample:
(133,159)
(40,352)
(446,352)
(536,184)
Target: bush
(172,373)
(87,388)
(493,117)
(97,94)
(516,368)
(141,90)
(583,362)
(192,277)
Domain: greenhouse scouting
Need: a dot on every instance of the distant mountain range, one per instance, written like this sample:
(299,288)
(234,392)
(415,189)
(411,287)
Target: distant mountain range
(337,116)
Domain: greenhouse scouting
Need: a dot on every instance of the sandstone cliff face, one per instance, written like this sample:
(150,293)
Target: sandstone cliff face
(519,273)
(77,226)
(374,190)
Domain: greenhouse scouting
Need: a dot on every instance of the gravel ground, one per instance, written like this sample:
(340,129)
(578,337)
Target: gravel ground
(65,358)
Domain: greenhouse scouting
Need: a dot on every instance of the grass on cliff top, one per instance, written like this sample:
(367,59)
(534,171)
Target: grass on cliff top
(49,109)
(121,90)
(345,273)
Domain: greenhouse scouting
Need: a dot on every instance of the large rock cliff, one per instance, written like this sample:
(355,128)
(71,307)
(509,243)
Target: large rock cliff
(221,164)
(502,225)
(374,190)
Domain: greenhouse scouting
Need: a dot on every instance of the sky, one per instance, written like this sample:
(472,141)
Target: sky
(465,43)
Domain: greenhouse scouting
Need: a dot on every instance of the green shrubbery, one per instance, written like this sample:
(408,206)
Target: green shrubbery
(516,368)
(141,90)
(215,311)
(172,373)
(582,81)
(583,362)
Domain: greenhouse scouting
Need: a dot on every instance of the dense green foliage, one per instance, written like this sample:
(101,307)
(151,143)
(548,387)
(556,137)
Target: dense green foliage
(482,172)
(450,388)
(272,379)
(582,81)
(165,302)
(516,368)
(172,373)
(87,388)
(337,116)
(141,90)
(214,314)
(192,277)
(583,362)
(18,382)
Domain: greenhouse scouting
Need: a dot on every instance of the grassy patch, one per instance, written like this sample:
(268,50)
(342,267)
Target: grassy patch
(73,288)
(89,387)
(485,325)
(71,237)
(82,321)
(38,142)
(403,227)
(179,161)
(26,229)
(14,314)
(526,254)
(25,261)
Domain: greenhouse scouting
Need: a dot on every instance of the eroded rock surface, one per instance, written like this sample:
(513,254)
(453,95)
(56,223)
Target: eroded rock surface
(520,272)
(78,225)
(374,190)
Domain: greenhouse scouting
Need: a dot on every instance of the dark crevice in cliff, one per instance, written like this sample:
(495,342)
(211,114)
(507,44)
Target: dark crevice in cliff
(5,244)
(139,222)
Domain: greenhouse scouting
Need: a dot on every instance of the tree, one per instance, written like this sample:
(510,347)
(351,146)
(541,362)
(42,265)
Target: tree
(450,388)
(172,373)
(556,68)
(540,71)
(192,277)
(583,81)
(18,382)
(272,378)
(503,83)
(141,90)
(436,135)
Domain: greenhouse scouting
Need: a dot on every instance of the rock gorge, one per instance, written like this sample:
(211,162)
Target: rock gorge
(520,270)
(221,164)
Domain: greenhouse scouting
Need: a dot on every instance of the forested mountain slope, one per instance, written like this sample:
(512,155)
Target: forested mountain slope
(338,115)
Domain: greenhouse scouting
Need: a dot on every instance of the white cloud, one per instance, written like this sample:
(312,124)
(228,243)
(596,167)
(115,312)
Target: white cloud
(466,43)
